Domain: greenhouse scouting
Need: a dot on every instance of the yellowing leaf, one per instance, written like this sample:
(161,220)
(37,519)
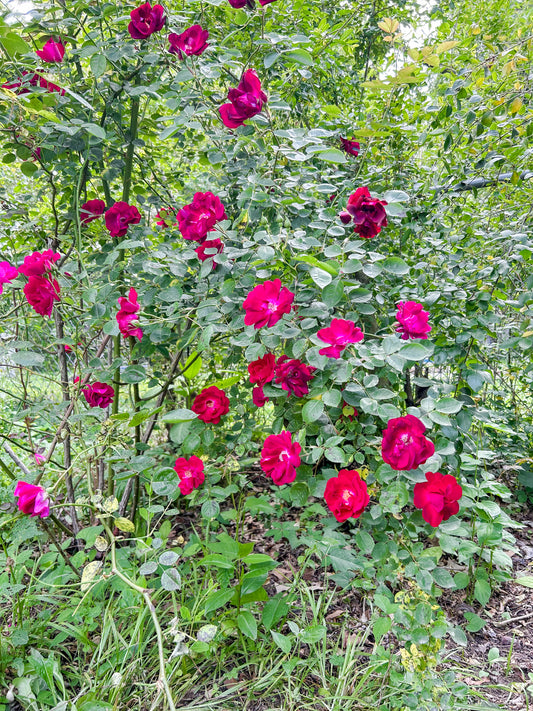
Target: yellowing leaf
(100,543)
(110,504)
(446,46)
(89,573)
(388,25)
(414,54)
(124,524)
(516,105)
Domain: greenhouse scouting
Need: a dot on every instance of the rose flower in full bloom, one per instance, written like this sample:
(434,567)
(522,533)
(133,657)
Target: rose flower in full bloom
(119,217)
(266,304)
(245,101)
(346,495)
(280,457)
(98,395)
(41,293)
(200,216)
(294,375)
(211,404)
(32,499)
(413,320)
(367,213)
(91,210)
(404,446)
(339,334)
(7,274)
(190,472)
(261,371)
(145,20)
(127,318)
(52,51)
(350,147)
(438,497)
(38,263)
(193,40)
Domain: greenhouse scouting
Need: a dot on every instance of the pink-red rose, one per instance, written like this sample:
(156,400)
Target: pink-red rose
(368,213)
(339,334)
(192,41)
(41,294)
(99,395)
(119,217)
(208,249)
(7,274)
(91,210)
(261,371)
(241,3)
(294,375)
(280,457)
(211,404)
(200,216)
(127,319)
(52,51)
(38,263)
(145,20)
(404,446)
(267,303)
(258,396)
(32,500)
(413,320)
(350,147)
(190,472)
(346,495)
(438,497)
(245,101)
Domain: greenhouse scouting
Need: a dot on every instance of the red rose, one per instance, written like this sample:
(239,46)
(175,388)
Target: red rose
(367,213)
(192,41)
(52,51)
(190,472)
(208,249)
(437,497)
(267,303)
(211,404)
(241,3)
(294,375)
(99,395)
(280,458)
(41,294)
(413,320)
(350,147)
(200,216)
(91,210)
(346,495)
(119,217)
(32,499)
(7,274)
(262,370)
(404,446)
(37,264)
(265,2)
(258,397)
(127,318)
(145,20)
(245,101)
(339,334)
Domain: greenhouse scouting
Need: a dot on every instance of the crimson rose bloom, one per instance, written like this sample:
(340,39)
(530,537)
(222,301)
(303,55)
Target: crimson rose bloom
(266,304)
(91,210)
(346,495)
(127,318)
(258,397)
(241,3)
(413,320)
(339,333)
(41,294)
(7,274)
(262,370)
(211,404)
(99,395)
(215,246)
(294,375)
(404,446)
(145,20)
(37,264)
(28,79)
(351,147)
(32,500)
(52,51)
(367,213)
(119,217)
(437,497)
(190,472)
(280,457)
(199,217)
(167,217)
(192,41)
(266,2)
(246,101)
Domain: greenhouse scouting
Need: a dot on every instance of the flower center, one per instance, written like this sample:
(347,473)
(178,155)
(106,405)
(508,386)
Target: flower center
(209,403)
(272,306)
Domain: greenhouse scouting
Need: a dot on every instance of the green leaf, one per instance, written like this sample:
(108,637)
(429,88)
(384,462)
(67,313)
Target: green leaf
(332,155)
(395,265)
(448,405)
(380,628)
(192,366)
(300,56)
(133,374)
(247,624)
(27,358)
(274,611)
(252,581)
(320,277)
(313,261)
(414,351)
(475,623)
(181,415)
(482,591)
(443,578)
(299,493)
(333,293)
(312,410)
(282,641)
(95,130)
(525,580)
(218,599)
(171,579)
(98,64)
(14,44)
(313,634)
(210,509)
